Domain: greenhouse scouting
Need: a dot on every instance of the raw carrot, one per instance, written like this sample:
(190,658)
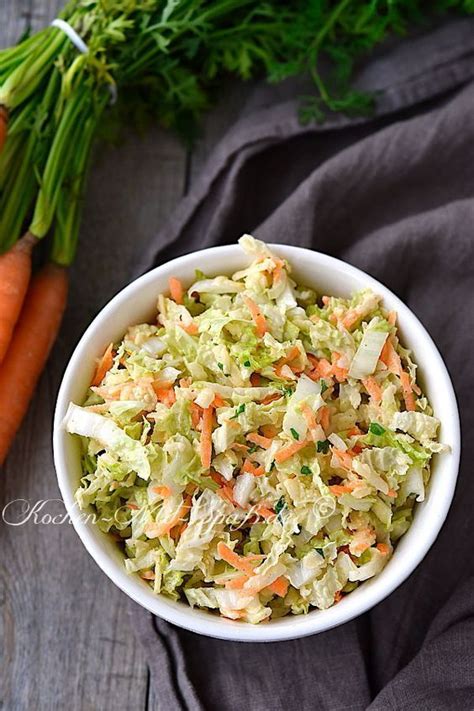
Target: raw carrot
(340,489)
(344,458)
(264,511)
(390,357)
(286,452)
(104,365)
(195,414)
(235,560)
(260,440)
(255,380)
(383,548)
(163,491)
(270,398)
(15,273)
(338,371)
(407,391)
(166,396)
(392,360)
(176,290)
(162,529)
(191,328)
(148,575)
(269,431)
(279,586)
(323,417)
(351,318)
(236,583)
(251,468)
(3,126)
(373,389)
(259,320)
(32,341)
(219,401)
(206,439)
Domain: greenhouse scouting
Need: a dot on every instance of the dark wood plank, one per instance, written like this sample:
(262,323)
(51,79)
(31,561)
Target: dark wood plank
(67,636)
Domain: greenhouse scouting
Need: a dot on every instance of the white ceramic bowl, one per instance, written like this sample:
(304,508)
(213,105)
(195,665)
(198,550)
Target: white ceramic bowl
(136,304)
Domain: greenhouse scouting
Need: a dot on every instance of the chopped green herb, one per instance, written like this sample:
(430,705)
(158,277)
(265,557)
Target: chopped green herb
(320,551)
(324,386)
(288,390)
(376,429)
(323,446)
(294,433)
(247,363)
(220,366)
(306,470)
(239,411)
(279,506)
(253,449)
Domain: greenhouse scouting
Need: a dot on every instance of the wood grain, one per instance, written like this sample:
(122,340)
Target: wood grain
(66,631)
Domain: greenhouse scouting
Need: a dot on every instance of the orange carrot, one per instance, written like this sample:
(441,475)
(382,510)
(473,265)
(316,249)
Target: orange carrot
(392,360)
(176,290)
(165,395)
(407,391)
(374,389)
(279,586)
(148,575)
(255,380)
(339,372)
(309,416)
(236,583)
(195,415)
(206,438)
(264,511)
(344,458)
(255,438)
(392,318)
(351,318)
(32,341)
(191,328)
(163,528)
(325,368)
(323,417)
(390,357)
(269,431)
(163,491)
(219,401)
(3,126)
(383,548)
(251,468)
(15,273)
(340,489)
(104,365)
(259,320)
(235,560)
(270,398)
(286,452)
(131,506)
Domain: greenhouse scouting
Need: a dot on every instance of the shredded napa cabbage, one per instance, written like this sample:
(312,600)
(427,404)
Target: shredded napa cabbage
(259,449)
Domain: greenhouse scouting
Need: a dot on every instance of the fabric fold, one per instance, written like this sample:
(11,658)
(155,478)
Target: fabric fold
(393,195)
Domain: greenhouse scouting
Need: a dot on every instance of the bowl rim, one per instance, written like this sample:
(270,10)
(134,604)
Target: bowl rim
(373,591)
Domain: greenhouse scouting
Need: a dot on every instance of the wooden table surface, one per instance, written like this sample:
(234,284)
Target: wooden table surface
(66,637)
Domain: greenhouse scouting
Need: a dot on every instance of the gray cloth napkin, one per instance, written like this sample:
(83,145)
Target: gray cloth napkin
(394,196)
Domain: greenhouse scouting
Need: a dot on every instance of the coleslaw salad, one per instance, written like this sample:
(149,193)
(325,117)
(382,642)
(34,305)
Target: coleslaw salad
(258,450)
